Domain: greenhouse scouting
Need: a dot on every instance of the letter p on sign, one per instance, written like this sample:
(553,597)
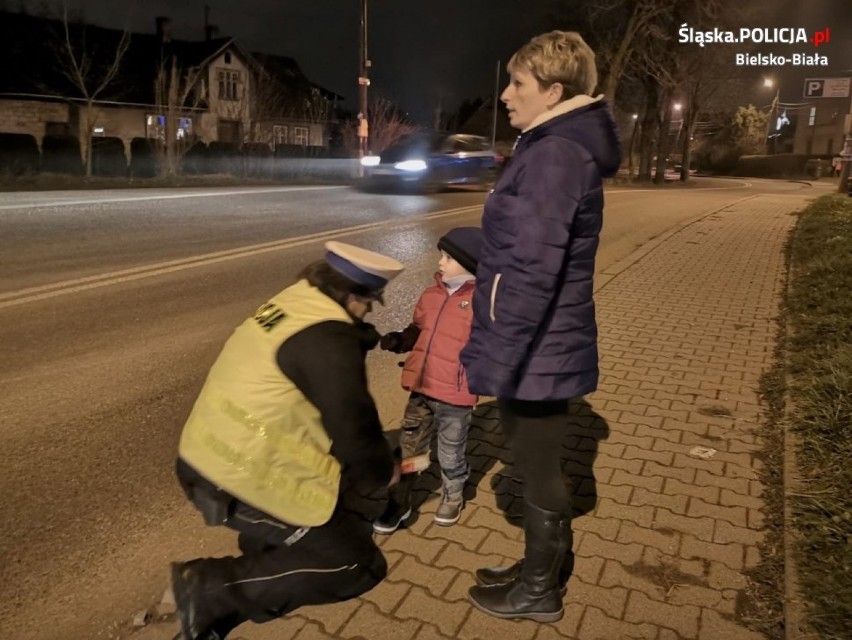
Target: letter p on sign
(814,88)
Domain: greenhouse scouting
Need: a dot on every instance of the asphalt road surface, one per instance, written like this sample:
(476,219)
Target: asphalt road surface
(113,305)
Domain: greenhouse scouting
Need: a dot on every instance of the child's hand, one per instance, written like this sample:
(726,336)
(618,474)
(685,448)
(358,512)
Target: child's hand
(391,341)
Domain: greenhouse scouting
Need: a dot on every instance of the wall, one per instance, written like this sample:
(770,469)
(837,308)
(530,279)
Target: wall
(119,122)
(828,125)
(30,116)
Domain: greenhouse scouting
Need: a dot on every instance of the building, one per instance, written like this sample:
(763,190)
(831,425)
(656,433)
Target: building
(826,118)
(159,89)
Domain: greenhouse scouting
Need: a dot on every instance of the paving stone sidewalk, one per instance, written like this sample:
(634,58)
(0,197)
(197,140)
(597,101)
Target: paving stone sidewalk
(669,509)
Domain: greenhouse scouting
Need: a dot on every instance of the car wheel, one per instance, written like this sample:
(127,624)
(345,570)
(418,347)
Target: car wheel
(429,185)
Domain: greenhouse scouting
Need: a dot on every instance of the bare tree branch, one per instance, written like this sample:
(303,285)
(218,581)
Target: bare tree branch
(77,65)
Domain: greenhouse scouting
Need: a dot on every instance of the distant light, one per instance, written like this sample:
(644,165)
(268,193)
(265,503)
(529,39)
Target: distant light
(370,161)
(677,106)
(411,165)
(768,82)
(635,116)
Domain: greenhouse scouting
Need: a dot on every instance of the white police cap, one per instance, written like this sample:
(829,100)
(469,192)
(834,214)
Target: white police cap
(368,268)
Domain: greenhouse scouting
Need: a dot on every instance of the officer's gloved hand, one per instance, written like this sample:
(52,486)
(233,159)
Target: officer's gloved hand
(391,341)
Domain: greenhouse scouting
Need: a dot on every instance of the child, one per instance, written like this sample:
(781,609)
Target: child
(440,400)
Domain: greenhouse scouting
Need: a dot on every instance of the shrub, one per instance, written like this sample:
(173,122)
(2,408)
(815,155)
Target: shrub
(19,154)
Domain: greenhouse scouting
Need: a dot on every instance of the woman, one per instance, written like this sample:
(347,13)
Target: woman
(533,343)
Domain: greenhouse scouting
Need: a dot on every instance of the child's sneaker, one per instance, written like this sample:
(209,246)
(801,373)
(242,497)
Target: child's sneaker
(449,511)
(392,518)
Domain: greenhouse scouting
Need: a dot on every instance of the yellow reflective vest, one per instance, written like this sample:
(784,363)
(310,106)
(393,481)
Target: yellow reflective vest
(251,432)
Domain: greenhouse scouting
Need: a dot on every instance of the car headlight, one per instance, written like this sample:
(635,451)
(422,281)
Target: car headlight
(370,161)
(411,165)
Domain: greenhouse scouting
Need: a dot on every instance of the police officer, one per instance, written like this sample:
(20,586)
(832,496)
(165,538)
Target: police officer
(283,428)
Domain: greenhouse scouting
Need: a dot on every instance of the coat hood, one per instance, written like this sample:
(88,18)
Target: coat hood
(589,123)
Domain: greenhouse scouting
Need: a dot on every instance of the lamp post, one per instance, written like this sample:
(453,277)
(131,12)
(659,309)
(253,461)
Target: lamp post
(363,83)
(635,118)
(677,106)
(769,82)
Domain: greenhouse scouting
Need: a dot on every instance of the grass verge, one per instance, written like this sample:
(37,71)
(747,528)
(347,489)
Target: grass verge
(819,386)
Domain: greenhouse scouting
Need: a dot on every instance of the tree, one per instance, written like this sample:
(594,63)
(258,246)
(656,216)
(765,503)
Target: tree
(90,69)
(177,91)
(387,125)
(749,130)
(632,26)
(687,75)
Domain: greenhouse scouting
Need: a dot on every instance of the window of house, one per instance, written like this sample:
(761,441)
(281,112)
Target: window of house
(300,136)
(184,128)
(812,117)
(279,134)
(227,57)
(229,84)
(155,127)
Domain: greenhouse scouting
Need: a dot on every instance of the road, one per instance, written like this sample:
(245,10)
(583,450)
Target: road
(113,305)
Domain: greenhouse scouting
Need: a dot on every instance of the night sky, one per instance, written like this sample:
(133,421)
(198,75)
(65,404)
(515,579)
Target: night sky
(422,51)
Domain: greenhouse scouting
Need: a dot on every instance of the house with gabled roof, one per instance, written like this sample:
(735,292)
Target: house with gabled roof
(215,90)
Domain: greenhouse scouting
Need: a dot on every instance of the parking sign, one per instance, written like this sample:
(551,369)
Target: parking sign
(827,87)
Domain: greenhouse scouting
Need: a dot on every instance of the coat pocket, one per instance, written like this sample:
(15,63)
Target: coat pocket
(494,296)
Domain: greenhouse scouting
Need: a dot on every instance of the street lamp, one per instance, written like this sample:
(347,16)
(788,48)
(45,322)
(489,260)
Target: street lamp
(769,82)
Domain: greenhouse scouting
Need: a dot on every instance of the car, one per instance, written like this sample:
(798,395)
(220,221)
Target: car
(427,162)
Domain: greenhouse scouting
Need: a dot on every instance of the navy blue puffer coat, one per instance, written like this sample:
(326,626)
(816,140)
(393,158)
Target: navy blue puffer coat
(534,335)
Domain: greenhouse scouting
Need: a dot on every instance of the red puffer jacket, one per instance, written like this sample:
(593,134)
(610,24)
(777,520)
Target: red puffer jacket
(433,367)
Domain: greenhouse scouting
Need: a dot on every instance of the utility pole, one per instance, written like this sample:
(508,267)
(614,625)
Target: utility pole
(363,83)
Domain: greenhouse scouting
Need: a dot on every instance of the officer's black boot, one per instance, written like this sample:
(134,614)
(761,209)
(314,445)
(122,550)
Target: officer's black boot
(399,506)
(536,591)
(202,603)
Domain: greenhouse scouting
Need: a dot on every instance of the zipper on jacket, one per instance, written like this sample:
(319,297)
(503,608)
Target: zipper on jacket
(429,345)
(494,296)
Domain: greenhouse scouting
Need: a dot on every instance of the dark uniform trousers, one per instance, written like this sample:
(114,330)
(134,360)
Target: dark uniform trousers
(283,567)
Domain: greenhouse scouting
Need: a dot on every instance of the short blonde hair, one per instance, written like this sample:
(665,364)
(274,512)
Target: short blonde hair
(559,56)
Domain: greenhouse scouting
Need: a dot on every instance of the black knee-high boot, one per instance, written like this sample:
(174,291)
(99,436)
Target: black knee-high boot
(489,576)
(536,592)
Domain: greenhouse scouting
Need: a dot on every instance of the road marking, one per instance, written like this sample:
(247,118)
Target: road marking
(34,294)
(175,196)
(249,191)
